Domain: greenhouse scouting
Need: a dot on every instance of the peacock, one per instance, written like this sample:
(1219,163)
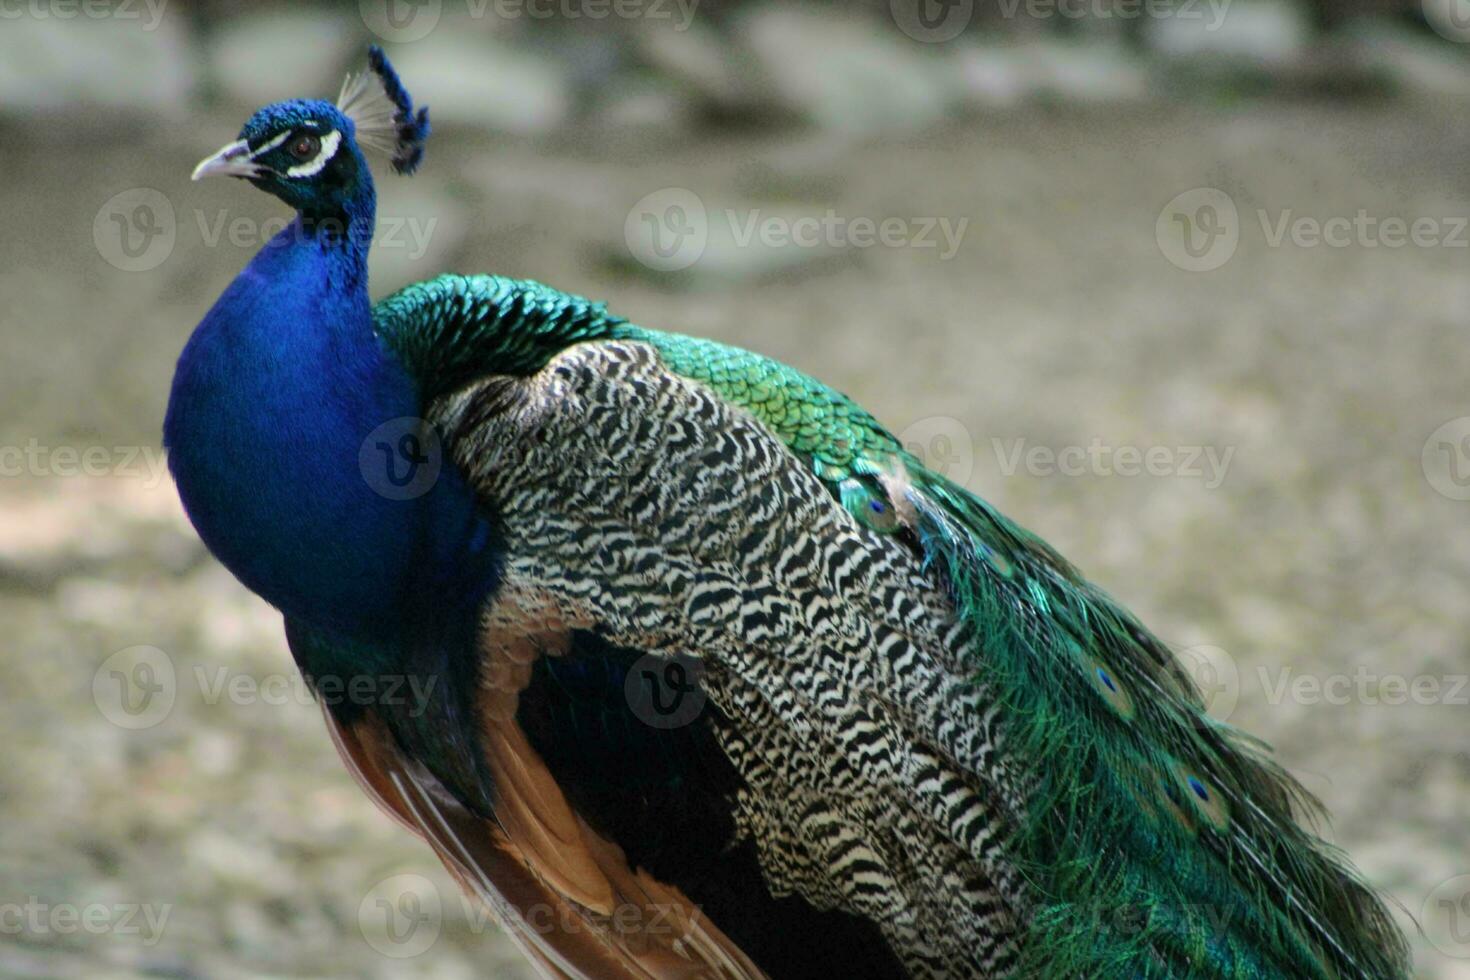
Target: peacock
(714,678)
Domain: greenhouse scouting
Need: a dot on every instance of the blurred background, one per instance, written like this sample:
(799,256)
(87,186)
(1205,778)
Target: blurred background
(1180,284)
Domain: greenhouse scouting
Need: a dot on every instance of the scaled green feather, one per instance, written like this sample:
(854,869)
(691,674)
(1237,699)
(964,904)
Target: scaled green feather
(1155,841)
(451,330)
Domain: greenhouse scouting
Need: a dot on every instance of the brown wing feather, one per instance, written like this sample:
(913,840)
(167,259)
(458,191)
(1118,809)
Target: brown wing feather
(563,893)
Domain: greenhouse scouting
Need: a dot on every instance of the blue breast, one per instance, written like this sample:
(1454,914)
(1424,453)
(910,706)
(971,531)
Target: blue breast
(286,441)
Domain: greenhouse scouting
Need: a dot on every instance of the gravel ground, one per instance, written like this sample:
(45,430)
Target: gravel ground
(1295,529)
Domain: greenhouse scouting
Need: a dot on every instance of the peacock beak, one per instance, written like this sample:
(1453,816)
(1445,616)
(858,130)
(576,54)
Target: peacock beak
(232,161)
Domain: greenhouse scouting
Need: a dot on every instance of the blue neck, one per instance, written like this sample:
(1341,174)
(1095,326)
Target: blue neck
(271,435)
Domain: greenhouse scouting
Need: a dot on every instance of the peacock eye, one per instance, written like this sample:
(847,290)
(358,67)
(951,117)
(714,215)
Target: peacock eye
(306,147)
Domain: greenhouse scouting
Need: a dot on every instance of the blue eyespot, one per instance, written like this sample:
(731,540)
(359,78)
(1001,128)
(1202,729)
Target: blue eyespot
(877,506)
(1199,789)
(1102,675)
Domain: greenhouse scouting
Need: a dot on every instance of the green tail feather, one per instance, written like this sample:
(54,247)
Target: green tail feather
(1145,810)
(1155,842)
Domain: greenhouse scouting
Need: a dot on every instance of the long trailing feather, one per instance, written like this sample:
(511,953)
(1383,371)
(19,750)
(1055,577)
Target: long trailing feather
(1239,891)
(486,860)
(1154,841)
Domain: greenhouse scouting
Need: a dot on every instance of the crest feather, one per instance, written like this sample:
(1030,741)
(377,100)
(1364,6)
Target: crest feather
(382,112)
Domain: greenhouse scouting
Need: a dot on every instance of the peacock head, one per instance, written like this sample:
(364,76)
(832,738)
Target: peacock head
(307,151)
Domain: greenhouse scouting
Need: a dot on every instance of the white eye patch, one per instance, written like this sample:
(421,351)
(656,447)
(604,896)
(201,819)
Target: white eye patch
(274,142)
(330,143)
